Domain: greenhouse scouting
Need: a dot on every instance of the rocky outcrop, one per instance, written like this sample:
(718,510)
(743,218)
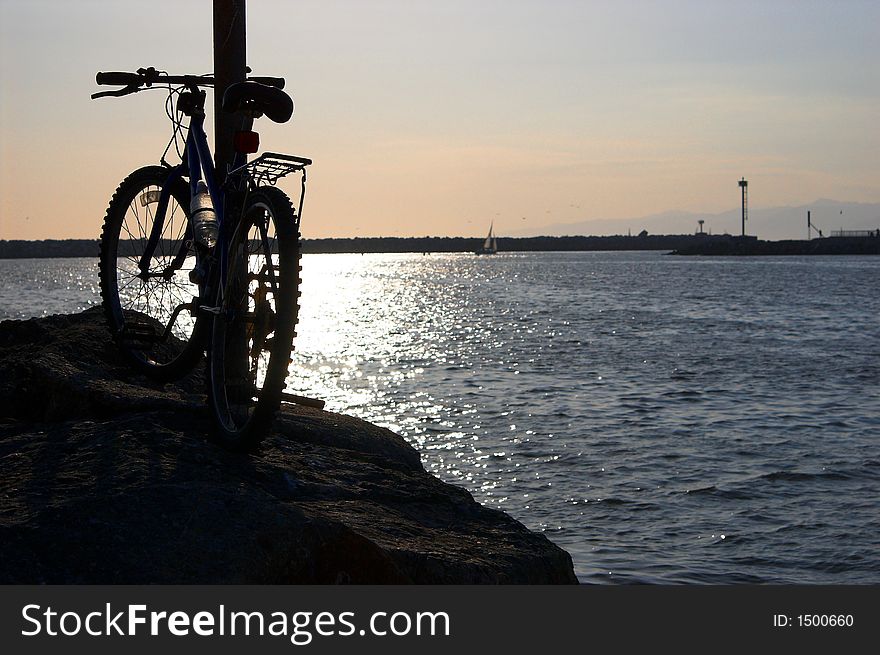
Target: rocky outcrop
(108,478)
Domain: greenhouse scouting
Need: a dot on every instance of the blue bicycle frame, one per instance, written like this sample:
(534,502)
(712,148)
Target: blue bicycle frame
(196,160)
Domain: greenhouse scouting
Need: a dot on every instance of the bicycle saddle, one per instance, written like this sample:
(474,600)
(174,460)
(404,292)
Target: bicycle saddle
(253,96)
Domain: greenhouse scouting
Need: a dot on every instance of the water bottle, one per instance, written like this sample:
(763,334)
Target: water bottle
(204,219)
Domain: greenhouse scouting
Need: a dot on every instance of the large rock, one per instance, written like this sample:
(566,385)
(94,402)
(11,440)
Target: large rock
(107,478)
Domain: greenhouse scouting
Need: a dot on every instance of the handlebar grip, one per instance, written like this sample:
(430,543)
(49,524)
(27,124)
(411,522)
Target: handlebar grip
(118,79)
(277,82)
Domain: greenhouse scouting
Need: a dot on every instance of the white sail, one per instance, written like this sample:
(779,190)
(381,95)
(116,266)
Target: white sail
(490,247)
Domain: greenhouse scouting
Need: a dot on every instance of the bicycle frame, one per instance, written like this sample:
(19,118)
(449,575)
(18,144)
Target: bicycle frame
(196,160)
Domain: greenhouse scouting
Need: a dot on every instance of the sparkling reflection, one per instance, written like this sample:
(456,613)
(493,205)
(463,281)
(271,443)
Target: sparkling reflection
(587,395)
(665,420)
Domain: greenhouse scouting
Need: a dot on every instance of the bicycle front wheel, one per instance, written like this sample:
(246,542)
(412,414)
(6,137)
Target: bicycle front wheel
(252,334)
(152,313)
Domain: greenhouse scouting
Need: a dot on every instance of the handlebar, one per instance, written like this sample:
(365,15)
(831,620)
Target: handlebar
(147,77)
(122,79)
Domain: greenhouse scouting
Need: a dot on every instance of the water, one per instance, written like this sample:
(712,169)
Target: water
(665,420)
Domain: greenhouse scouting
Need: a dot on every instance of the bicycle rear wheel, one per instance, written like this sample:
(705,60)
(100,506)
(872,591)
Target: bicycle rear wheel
(252,334)
(152,315)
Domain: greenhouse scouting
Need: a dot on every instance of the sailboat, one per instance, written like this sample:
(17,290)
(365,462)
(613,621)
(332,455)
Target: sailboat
(490,245)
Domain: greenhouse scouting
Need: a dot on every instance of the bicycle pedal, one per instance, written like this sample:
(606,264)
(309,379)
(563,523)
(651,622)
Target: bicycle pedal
(211,310)
(263,275)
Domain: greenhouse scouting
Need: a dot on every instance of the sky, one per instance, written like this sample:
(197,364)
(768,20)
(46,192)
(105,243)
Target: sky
(437,118)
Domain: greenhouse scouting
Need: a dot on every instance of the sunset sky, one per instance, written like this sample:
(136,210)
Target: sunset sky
(435,118)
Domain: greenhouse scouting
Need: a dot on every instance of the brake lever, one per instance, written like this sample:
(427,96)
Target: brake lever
(131,88)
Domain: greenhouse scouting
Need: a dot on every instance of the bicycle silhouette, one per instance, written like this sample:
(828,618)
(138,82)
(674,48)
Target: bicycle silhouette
(194,262)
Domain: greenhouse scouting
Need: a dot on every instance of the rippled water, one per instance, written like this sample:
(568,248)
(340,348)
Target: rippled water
(663,419)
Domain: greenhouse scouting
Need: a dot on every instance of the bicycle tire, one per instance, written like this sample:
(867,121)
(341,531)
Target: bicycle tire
(253,331)
(139,310)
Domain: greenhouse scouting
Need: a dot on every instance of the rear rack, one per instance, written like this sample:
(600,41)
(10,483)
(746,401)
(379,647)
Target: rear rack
(270,167)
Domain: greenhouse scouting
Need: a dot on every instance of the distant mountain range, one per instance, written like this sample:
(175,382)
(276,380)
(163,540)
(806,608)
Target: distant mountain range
(764,222)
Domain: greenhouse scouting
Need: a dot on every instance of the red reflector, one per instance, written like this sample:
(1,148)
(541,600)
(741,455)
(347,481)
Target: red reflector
(247,142)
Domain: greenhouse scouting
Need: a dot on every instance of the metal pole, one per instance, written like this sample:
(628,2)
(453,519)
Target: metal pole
(229,68)
(230,61)
(809,236)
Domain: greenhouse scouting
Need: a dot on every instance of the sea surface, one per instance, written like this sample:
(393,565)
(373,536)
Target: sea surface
(663,419)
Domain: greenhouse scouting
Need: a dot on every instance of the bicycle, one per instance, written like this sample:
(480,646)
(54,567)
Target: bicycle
(180,276)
